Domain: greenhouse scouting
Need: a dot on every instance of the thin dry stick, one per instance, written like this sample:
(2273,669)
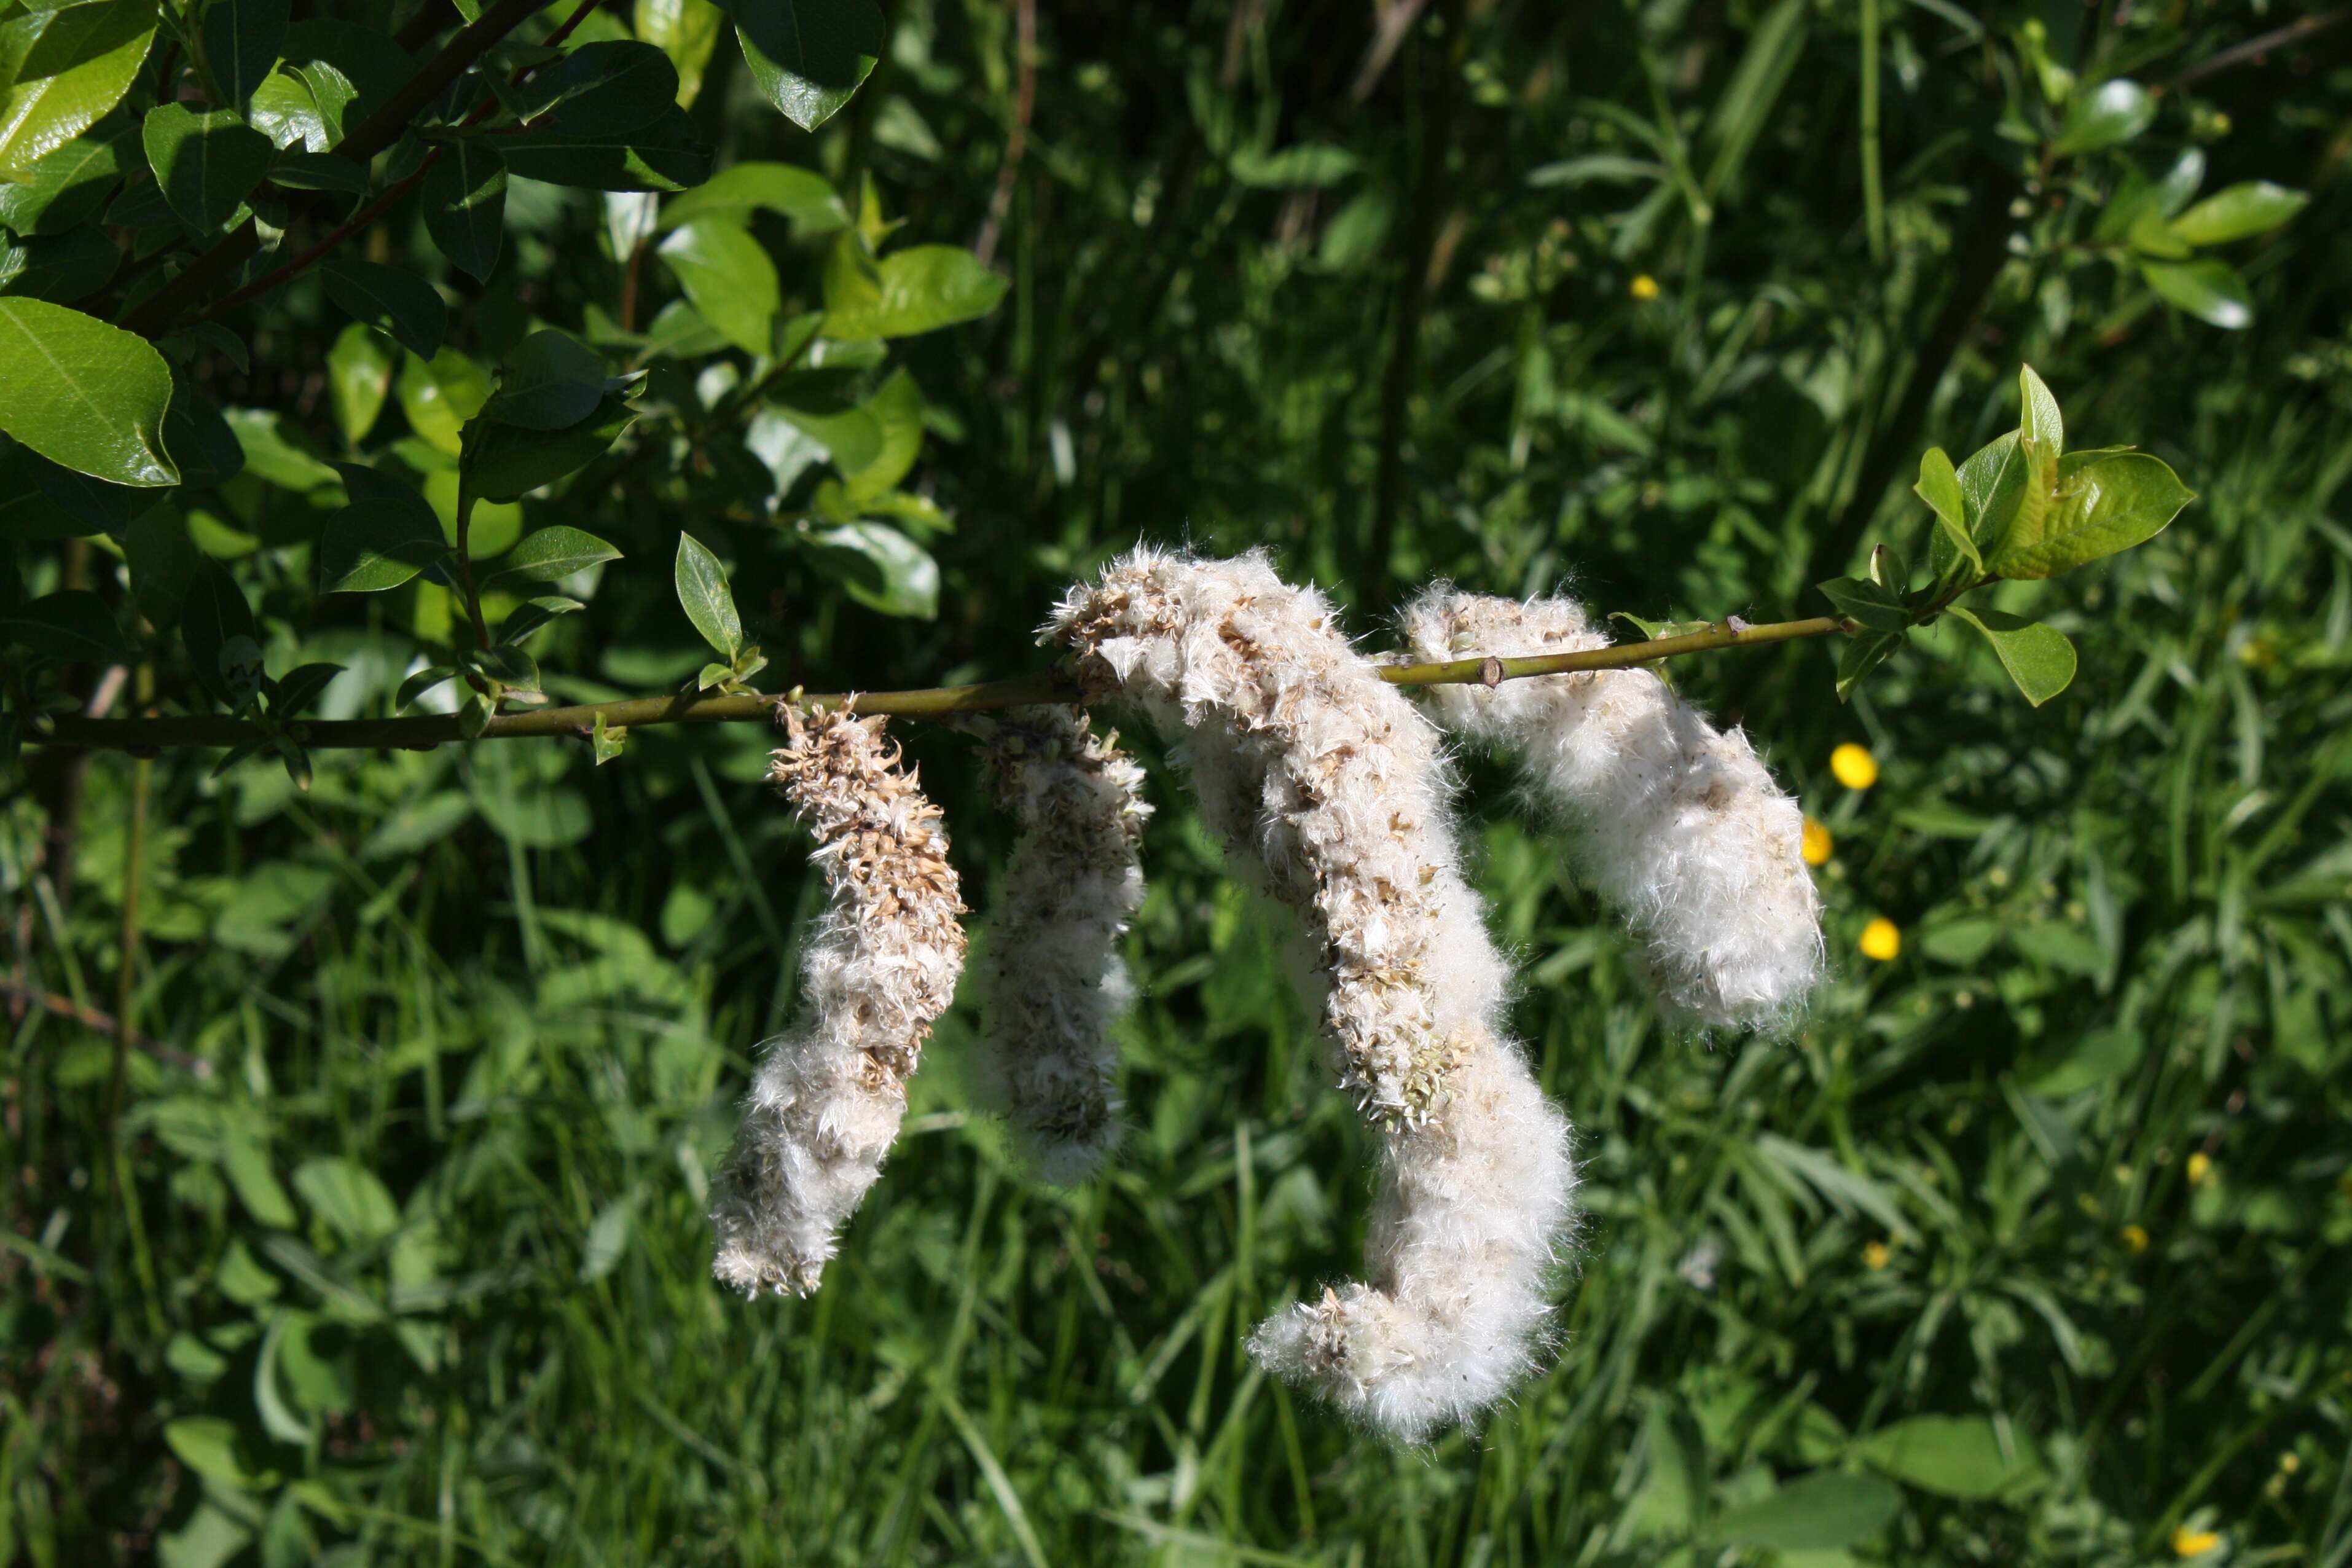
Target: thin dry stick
(427,731)
(999,202)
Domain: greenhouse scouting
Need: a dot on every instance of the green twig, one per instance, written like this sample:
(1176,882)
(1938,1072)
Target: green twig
(427,731)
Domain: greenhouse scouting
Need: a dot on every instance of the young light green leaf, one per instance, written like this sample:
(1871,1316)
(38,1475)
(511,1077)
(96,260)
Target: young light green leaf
(84,393)
(439,397)
(465,199)
(207,1445)
(371,545)
(359,379)
(2109,505)
(685,30)
(2236,212)
(703,592)
(918,289)
(1940,487)
(809,56)
(72,63)
(729,277)
(610,740)
(1873,605)
(713,674)
(2038,422)
(1825,1511)
(802,196)
(2039,658)
(385,297)
(550,381)
(897,411)
(881,568)
(205,164)
(1954,1456)
(2208,290)
(2108,116)
(549,553)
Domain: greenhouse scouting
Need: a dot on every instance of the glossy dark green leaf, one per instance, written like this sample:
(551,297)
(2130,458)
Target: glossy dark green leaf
(72,63)
(729,277)
(319,172)
(2105,116)
(802,196)
(241,43)
(84,393)
(532,614)
(463,196)
(552,552)
(205,164)
(371,545)
(703,592)
(390,301)
(217,625)
(618,85)
(662,156)
(198,438)
(2238,212)
(2039,658)
(299,687)
(59,267)
(1872,605)
(164,564)
(75,626)
(809,56)
(2210,291)
(918,289)
(502,461)
(550,381)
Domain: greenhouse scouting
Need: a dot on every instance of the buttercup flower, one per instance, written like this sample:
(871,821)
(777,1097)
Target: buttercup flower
(1328,787)
(1054,980)
(1882,939)
(1853,766)
(2186,1543)
(1816,845)
(1876,1256)
(881,969)
(2135,1237)
(1676,824)
(2200,1165)
(1645,288)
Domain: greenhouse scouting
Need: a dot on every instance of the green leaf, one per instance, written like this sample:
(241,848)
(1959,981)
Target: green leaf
(349,1198)
(533,613)
(371,545)
(205,164)
(1864,651)
(1824,1511)
(83,393)
(730,279)
(74,626)
(73,64)
(2109,115)
(60,267)
(898,410)
(2238,211)
(1952,1456)
(1310,165)
(503,462)
(1991,481)
(299,687)
(550,381)
(279,453)
(662,156)
(1873,605)
(919,290)
(359,379)
(804,198)
(615,86)
(319,172)
(423,681)
(199,439)
(241,42)
(610,740)
(2039,658)
(2210,291)
(63,189)
(881,568)
(1940,487)
(2109,505)
(685,30)
(441,395)
(164,564)
(213,623)
(702,591)
(809,56)
(207,1445)
(549,553)
(2039,424)
(465,199)
(399,303)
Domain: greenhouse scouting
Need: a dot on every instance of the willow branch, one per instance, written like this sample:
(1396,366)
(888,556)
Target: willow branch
(423,732)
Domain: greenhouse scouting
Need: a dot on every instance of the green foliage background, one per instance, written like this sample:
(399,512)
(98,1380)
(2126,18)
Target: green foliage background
(383,1242)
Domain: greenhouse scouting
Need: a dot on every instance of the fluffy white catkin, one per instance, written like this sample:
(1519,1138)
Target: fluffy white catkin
(1313,767)
(881,966)
(1053,978)
(1678,823)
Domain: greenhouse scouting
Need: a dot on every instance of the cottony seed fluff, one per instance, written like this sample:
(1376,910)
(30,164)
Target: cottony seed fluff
(1324,776)
(881,967)
(1052,976)
(1675,823)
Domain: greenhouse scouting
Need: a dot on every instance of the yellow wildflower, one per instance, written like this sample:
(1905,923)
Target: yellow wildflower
(1645,287)
(2200,1165)
(2290,1463)
(1854,766)
(1876,1254)
(2187,1543)
(1882,939)
(2136,1238)
(1817,846)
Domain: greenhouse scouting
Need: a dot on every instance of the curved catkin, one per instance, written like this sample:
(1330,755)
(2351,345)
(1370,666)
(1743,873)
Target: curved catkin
(1678,823)
(1053,978)
(881,966)
(1313,767)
